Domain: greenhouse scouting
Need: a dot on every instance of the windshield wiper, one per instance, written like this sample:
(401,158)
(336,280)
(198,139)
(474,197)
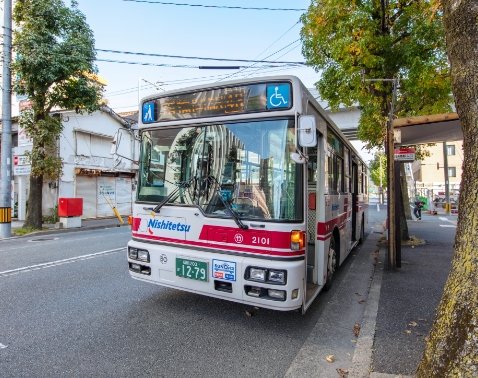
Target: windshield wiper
(212,180)
(179,185)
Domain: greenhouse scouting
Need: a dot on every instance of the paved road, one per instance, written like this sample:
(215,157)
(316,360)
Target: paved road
(69,308)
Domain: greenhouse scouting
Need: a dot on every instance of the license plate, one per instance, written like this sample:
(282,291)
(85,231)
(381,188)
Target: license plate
(193,269)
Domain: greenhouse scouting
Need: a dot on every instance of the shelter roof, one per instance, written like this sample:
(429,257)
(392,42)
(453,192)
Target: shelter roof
(429,129)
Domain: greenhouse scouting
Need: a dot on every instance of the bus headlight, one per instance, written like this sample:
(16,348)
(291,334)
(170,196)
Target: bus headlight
(268,276)
(276,294)
(132,253)
(138,254)
(277,276)
(257,274)
(143,255)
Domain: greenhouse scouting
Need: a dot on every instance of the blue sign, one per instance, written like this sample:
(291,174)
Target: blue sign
(149,112)
(278,96)
(224,270)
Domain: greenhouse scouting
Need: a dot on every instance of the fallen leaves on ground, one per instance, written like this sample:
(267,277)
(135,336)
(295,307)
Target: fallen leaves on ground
(330,358)
(251,312)
(343,373)
(356,329)
(414,241)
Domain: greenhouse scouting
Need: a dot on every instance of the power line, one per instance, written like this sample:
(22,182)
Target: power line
(215,6)
(292,48)
(167,83)
(180,65)
(253,65)
(193,57)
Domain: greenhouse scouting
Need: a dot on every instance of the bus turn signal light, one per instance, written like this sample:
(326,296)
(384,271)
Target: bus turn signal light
(297,240)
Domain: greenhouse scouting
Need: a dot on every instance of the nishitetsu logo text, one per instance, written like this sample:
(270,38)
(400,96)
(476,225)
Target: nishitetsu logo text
(168,225)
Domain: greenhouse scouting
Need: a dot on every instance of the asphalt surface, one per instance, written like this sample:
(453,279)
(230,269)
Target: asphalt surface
(409,296)
(69,308)
(95,320)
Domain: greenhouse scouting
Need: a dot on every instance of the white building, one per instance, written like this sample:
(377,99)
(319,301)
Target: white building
(93,168)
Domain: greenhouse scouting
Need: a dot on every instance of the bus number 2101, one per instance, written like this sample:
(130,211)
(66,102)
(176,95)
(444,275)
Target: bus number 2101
(261,240)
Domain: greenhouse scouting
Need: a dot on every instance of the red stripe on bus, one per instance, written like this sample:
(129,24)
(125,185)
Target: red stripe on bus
(135,224)
(250,237)
(233,248)
(325,229)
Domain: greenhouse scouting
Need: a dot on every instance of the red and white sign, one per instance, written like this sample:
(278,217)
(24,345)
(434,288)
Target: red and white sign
(404,154)
(21,160)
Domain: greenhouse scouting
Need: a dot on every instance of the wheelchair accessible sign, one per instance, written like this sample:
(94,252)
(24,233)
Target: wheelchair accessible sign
(278,96)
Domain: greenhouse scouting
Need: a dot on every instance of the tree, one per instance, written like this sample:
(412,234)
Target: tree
(360,46)
(378,172)
(55,68)
(452,346)
(349,41)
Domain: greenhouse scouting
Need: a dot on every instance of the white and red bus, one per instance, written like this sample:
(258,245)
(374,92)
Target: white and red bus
(247,191)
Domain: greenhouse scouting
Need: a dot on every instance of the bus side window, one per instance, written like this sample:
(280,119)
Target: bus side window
(312,165)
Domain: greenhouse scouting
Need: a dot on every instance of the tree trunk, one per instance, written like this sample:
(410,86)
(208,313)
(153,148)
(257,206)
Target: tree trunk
(406,198)
(452,347)
(405,236)
(34,214)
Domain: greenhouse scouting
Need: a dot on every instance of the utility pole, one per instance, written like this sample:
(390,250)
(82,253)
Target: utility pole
(393,225)
(6,153)
(393,183)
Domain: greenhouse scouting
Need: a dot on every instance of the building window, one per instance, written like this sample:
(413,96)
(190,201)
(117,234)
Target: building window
(450,149)
(451,171)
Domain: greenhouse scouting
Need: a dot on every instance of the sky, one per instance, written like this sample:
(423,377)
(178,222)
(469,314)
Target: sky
(149,27)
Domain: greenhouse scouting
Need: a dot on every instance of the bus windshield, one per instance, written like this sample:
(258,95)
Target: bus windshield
(242,167)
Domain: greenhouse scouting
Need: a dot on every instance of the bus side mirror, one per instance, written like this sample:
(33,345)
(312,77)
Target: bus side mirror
(306,133)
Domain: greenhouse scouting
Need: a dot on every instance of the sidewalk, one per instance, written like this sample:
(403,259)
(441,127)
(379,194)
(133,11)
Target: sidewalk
(402,309)
(93,223)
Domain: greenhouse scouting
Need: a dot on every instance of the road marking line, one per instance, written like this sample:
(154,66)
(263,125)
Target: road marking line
(60,262)
(448,225)
(2,346)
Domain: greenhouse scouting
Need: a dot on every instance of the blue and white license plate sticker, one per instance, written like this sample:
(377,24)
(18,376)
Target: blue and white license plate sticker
(224,270)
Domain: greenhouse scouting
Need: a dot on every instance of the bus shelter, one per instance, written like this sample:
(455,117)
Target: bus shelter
(436,128)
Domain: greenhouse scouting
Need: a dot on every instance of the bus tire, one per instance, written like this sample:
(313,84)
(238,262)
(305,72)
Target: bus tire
(362,232)
(331,263)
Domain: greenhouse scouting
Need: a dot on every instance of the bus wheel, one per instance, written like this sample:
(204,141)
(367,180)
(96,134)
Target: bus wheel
(362,232)
(331,264)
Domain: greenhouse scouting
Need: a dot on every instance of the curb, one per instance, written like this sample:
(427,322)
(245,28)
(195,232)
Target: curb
(363,355)
(54,231)
(362,358)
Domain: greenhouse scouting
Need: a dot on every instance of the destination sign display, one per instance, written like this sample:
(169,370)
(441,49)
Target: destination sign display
(219,102)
